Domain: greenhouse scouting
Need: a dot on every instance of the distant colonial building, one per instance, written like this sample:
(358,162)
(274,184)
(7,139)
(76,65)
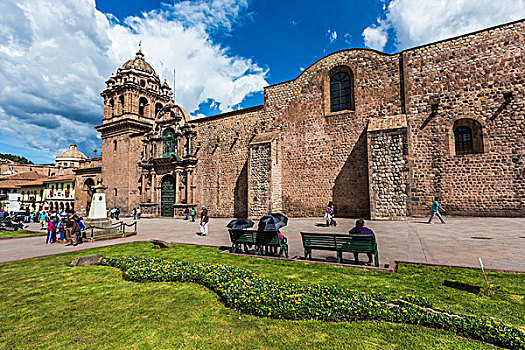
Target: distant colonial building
(59,193)
(33,195)
(11,194)
(380,135)
(36,187)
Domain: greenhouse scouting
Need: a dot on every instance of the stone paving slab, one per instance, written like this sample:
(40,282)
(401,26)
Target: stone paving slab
(412,240)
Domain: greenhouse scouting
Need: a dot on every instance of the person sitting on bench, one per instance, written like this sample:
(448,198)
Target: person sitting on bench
(367,234)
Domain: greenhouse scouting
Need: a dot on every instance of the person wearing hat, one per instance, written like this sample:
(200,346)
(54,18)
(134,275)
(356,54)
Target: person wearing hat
(204,221)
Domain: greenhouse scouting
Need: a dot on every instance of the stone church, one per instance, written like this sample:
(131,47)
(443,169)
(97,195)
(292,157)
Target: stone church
(380,135)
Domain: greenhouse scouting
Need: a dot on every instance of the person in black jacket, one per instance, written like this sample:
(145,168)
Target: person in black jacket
(75,235)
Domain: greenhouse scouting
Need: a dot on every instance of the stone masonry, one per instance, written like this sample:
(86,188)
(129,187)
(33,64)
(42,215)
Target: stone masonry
(387,155)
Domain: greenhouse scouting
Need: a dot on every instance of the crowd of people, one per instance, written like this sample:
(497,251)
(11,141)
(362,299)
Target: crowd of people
(68,226)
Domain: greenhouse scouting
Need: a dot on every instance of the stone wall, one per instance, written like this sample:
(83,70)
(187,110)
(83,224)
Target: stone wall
(264,175)
(325,154)
(388,174)
(259,179)
(466,77)
(358,158)
(121,172)
(221,175)
(46,170)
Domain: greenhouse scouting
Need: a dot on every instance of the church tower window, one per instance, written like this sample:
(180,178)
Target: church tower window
(142,106)
(121,100)
(169,144)
(111,107)
(158,107)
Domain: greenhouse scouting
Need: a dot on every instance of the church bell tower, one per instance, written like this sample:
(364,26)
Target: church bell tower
(132,99)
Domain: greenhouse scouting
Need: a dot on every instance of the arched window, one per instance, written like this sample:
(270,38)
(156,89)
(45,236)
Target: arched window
(114,145)
(158,107)
(340,91)
(143,102)
(468,136)
(115,192)
(169,144)
(188,146)
(463,138)
(111,107)
(121,100)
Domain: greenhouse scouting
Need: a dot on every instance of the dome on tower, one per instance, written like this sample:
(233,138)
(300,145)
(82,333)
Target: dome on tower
(139,63)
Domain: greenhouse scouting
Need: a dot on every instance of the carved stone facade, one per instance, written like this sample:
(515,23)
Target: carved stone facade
(380,135)
(167,184)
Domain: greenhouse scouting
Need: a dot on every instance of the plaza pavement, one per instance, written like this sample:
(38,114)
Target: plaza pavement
(500,242)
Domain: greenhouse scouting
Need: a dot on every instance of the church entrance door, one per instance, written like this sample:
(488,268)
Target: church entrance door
(167,195)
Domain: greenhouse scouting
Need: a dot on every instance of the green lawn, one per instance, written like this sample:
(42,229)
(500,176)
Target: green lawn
(46,304)
(18,233)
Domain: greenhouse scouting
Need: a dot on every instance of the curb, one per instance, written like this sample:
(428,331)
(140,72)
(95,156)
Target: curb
(24,236)
(392,268)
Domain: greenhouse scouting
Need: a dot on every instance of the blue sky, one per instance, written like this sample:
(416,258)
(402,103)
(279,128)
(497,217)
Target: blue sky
(55,56)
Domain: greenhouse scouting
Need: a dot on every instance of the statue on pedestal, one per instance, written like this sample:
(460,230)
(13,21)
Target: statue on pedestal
(97,217)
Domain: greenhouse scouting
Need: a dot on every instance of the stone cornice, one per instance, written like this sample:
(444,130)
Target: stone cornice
(88,171)
(135,87)
(123,125)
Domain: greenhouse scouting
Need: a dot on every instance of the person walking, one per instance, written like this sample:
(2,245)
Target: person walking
(117,213)
(138,213)
(204,221)
(193,214)
(186,213)
(329,216)
(134,213)
(42,220)
(364,234)
(435,211)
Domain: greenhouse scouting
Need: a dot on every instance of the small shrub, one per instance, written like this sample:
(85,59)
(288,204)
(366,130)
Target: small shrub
(250,293)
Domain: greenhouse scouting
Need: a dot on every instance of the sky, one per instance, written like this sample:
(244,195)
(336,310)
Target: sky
(55,55)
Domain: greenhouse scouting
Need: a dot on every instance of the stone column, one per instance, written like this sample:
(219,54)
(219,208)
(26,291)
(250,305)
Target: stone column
(143,188)
(177,185)
(186,190)
(192,187)
(153,198)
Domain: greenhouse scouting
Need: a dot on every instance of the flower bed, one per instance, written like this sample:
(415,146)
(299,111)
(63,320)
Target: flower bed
(250,293)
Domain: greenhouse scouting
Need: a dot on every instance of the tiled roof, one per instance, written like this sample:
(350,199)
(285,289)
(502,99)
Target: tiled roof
(10,184)
(58,178)
(38,182)
(27,176)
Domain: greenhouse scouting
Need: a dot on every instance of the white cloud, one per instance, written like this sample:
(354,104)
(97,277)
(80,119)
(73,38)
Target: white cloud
(348,38)
(417,22)
(376,36)
(55,57)
(332,35)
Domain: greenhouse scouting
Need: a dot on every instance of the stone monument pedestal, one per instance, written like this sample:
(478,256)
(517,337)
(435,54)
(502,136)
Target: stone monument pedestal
(97,222)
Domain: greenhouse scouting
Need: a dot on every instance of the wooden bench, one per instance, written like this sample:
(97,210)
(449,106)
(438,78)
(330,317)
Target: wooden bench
(340,243)
(262,240)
